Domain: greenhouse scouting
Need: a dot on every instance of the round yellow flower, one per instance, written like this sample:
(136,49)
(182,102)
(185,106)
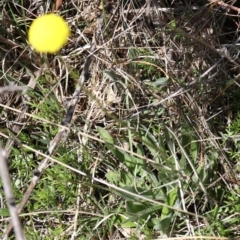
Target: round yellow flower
(48,33)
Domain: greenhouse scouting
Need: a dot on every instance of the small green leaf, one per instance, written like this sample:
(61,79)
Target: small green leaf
(135,207)
(105,135)
(4,212)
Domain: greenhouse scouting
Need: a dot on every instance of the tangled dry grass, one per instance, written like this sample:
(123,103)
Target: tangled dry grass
(128,66)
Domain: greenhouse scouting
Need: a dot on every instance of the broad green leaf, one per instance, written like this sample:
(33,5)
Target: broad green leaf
(136,190)
(171,198)
(126,179)
(162,148)
(124,222)
(149,143)
(135,207)
(150,175)
(141,212)
(129,160)
(121,178)
(113,177)
(194,150)
(162,224)
(188,142)
(105,135)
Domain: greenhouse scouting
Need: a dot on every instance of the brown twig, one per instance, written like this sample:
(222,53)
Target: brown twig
(15,220)
(225,5)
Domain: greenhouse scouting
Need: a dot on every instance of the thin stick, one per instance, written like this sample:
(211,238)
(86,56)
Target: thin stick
(16,223)
(225,5)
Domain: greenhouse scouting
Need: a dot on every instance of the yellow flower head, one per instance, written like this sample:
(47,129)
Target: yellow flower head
(48,33)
